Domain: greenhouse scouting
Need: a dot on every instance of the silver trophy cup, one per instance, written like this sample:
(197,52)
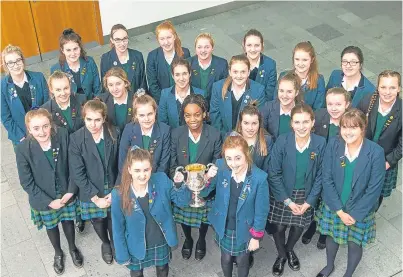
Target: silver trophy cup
(195,181)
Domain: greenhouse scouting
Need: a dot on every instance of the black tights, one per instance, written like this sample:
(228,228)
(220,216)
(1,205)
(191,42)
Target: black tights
(354,257)
(311,231)
(102,227)
(379,202)
(279,238)
(187,230)
(162,271)
(54,236)
(227,263)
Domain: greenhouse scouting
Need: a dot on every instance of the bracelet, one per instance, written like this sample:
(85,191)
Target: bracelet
(287,202)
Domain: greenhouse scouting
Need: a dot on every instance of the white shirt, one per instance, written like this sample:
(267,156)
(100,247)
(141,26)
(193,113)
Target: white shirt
(257,64)
(385,113)
(241,178)
(148,134)
(21,84)
(344,84)
(170,58)
(352,158)
(68,105)
(46,148)
(286,113)
(124,102)
(100,137)
(239,94)
(204,67)
(127,59)
(193,138)
(302,149)
(140,194)
(180,99)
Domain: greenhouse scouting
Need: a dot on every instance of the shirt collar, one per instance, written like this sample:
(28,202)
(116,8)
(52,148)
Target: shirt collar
(21,84)
(303,148)
(204,67)
(170,59)
(193,138)
(241,178)
(238,94)
(124,102)
(352,158)
(385,113)
(257,63)
(68,106)
(140,194)
(46,148)
(178,98)
(149,133)
(101,137)
(286,113)
(360,83)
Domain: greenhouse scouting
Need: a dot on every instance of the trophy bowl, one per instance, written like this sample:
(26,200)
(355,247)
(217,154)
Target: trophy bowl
(195,181)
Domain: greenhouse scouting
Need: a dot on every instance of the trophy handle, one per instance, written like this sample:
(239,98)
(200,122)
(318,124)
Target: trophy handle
(208,166)
(180,169)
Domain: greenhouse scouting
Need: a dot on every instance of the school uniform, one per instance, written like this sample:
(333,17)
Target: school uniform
(44,175)
(69,118)
(386,130)
(158,142)
(323,127)
(118,114)
(296,174)
(224,113)
(364,86)
(170,108)
(275,120)
(93,167)
(86,80)
(352,184)
(16,102)
(266,74)
(184,151)
(312,97)
(134,67)
(159,74)
(240,209)
(144,237)
(204,78)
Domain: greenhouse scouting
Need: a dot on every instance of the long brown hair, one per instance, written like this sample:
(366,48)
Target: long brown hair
(251,109)
(292,77)
(255,33)
(117,72)
(167,25)
(124,187)
(354,118)
(234,141)
(67,36)
(313,74)
(234,59)
(115,28)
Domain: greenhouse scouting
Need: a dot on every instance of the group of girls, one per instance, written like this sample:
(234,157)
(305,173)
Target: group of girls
(290,152)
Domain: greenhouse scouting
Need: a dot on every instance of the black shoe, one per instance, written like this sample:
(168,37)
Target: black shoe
(200,251)
(80,225)
(305,240)
(187,249)
(251,260)
(320,245)
(107,253)
(293,261)
(278,267)
(58,264)
(77,258)
(323,275)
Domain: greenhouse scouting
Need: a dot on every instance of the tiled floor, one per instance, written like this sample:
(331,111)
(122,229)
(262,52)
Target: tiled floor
(330,26)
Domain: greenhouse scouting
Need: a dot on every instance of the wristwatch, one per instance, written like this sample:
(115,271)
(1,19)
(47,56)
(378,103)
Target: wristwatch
(287,202)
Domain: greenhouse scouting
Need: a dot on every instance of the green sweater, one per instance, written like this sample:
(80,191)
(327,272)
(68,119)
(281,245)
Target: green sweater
(348,179)
(301,166)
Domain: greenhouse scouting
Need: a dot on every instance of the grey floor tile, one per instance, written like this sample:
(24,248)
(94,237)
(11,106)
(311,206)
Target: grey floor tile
(389,205)
(13,227)
(324,32)
(70,269)
(378,265)
(389,236)
(7,199)
(4,185)
(397,222)
(4,270)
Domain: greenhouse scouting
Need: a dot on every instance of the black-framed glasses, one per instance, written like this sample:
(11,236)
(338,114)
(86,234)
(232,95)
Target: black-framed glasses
(121,40)
(14,63)
(352,63)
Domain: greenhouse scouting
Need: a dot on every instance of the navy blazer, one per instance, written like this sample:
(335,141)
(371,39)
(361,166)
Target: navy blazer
(267,76)
(221,110)
(85,164)
(312,97)
(159,147)
(253,203)
(137,72)
(391,135)
(322,123)
(283,163)
(271,117)
(208,151)
(335,82)
(89,77)
(167,108)
(107,98)
(129,229)
(12,111)
(158,74)
(219,71)
(76,102)
(368,178)
(37,177)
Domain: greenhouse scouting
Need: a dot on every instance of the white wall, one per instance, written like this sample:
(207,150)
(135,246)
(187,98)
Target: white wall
(136,13)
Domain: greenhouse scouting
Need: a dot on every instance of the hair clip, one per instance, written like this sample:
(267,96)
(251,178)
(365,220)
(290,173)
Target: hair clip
(309,42)
(140,92)
(134,147)
(235,134)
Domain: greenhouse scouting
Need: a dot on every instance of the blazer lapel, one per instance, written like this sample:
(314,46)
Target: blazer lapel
(184,145)
(392,116)
(111,108)
(275,117)
(245,191)
(83,70)
(228,110)
(195,72)
(373,116)
(58,116)
(203,142)
(226,184)
(73,106)
(172,107)
(362,161)
(55,149)
(137,138)
(211,76)
(129,115)
(151,193)
(39,156)
(108,146)
(313,155)
(155,138)
(132,67)
(291,152)
(89,141)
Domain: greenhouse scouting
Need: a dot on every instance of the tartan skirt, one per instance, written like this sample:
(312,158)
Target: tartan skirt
(158,255)
(51,218)
(330,224)
(281,214)
(228,243)
(390,181)
(89,210)
(192,216)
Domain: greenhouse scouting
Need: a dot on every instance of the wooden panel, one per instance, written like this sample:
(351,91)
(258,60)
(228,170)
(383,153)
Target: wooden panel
(17,27)
(52,17)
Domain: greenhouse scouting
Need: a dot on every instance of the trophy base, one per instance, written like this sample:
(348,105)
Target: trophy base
(198,203)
